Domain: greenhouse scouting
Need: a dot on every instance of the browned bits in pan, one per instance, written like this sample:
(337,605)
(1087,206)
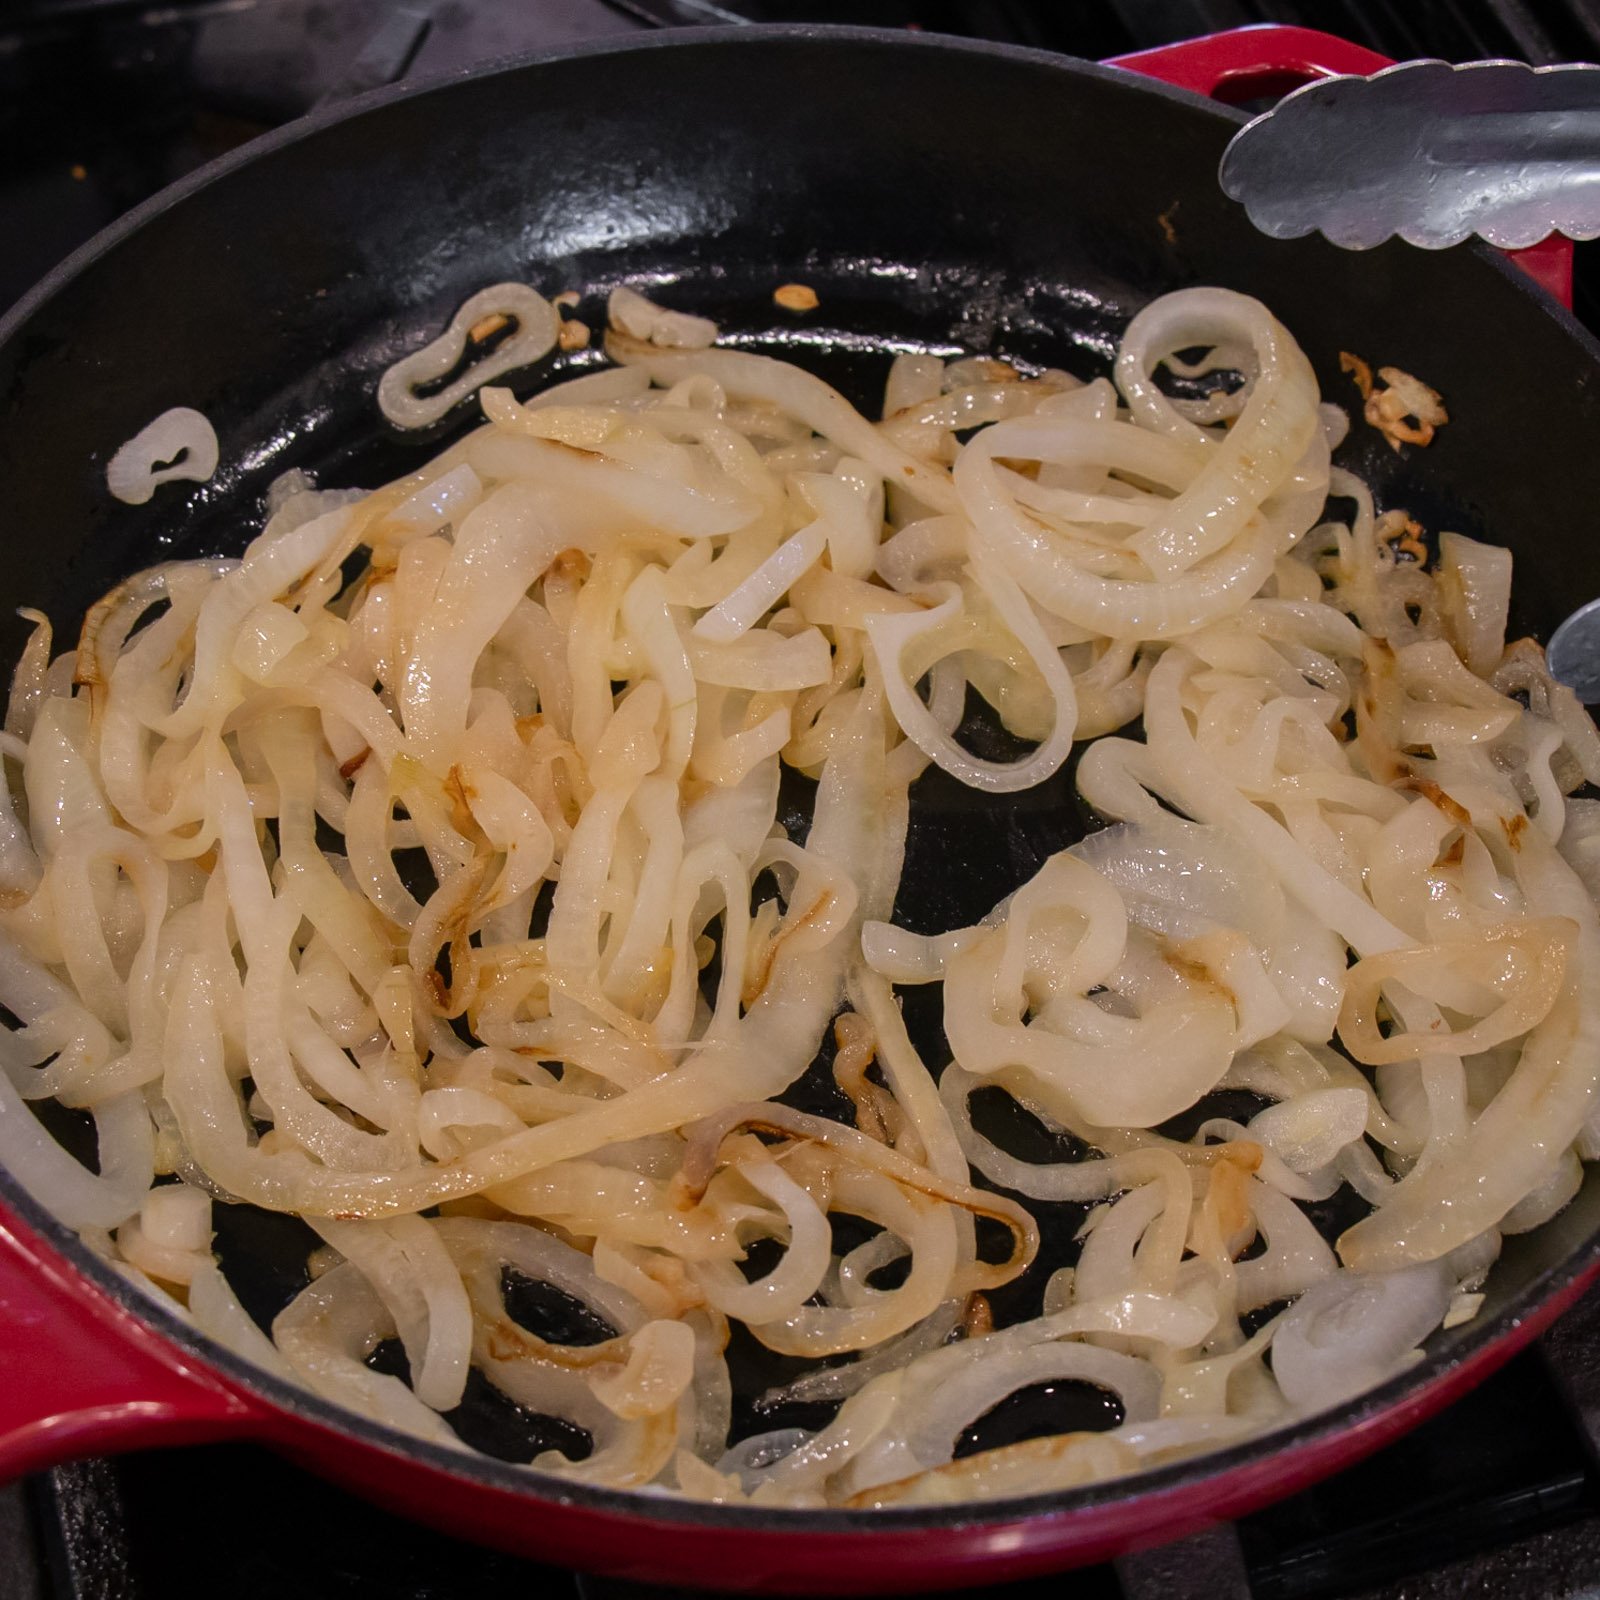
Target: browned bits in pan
(795,297)
(1358,369)
(1403,534)
(486,328)
(1404,410)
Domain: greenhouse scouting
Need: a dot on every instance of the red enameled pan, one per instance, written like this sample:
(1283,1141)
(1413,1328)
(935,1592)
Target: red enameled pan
(936,195)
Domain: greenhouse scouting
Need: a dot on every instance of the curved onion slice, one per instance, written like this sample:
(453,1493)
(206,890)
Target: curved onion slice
(1355,1329)
(180,443)
(892,635)
(536,324)
(630,313)
(1307,1131)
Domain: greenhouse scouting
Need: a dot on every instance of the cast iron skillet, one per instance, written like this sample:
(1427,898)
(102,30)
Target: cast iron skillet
(938,196)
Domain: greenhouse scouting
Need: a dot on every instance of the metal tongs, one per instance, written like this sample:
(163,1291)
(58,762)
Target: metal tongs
(1428,152)
(1433,153)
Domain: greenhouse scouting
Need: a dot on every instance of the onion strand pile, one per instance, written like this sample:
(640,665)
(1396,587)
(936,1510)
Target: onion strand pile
(420,873)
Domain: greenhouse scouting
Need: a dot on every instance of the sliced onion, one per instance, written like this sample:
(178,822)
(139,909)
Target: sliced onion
(630,313)
(537,324)
(180,443)
(1307,1131)
(1353,1330)
(1474,580)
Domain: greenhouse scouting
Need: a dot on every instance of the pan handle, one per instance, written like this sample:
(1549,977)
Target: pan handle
(1257,63)
(80,1376)
(1270,60)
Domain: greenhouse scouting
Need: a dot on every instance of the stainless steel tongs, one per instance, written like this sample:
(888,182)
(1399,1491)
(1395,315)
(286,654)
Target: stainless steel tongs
(1428,152)
(1434,153)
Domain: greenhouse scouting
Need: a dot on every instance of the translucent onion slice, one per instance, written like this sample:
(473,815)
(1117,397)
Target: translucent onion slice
(1307,1131)
(1474,581)
(536,324)
(893,635)
(81,1198)
(629,312)
(1353,1330)
(179,444)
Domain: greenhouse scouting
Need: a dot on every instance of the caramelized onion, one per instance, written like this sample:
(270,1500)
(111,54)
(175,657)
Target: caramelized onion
(429,873)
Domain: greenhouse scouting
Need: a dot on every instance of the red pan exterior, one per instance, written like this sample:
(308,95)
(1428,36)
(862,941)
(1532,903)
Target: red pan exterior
(83,1373)
(111,1383)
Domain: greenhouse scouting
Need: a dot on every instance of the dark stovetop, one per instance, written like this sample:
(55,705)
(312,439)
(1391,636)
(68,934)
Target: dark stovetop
(102,102)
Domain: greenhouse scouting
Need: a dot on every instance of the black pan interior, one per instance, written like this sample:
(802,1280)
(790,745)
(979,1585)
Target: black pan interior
(937,197)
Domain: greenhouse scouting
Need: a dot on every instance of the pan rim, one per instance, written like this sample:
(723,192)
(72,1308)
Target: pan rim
(763,35)
(1313,1433)
(1310,1436)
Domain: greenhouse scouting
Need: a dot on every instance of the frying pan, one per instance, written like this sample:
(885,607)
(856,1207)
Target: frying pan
(937,195)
